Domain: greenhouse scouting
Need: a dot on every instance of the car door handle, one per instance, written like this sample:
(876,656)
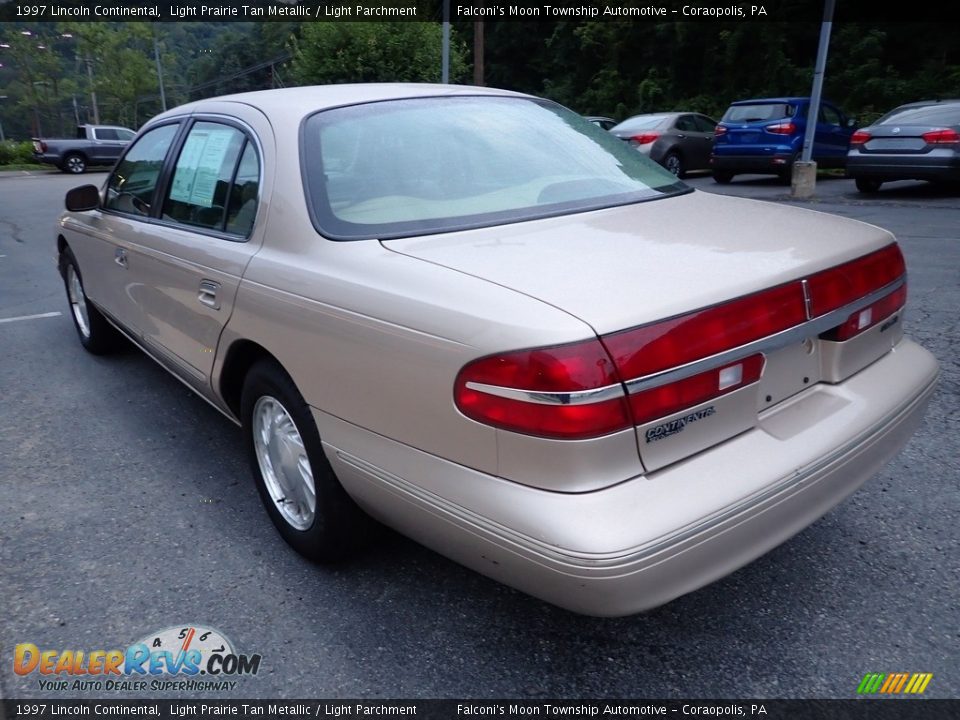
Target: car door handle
(208,294)
(120,257)
(681,136)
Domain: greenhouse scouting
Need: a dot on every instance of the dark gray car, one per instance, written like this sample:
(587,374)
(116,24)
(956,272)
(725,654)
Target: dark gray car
(680,141)
(918,141)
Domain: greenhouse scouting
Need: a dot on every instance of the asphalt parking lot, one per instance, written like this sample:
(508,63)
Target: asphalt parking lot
(126,507)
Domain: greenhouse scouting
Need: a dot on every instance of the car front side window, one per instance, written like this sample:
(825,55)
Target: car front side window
(132,184)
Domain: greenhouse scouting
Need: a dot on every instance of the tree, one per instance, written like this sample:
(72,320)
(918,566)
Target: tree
(119,58)
(341,52)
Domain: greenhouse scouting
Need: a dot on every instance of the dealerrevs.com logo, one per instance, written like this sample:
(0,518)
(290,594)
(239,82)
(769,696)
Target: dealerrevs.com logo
(183,657)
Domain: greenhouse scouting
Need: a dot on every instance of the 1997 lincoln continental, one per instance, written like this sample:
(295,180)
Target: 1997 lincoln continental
(482,320)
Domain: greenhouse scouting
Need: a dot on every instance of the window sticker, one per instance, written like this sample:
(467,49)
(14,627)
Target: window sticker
(199,166)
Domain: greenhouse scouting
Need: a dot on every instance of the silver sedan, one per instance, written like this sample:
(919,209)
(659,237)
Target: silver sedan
(478,318)
(679,141)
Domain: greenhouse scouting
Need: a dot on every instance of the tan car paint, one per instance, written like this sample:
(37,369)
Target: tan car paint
(373,335)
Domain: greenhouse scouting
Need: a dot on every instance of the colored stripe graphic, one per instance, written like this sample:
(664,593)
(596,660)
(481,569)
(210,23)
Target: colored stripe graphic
(894,683)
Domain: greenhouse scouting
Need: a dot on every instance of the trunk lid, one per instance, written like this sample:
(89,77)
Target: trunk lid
(632,265)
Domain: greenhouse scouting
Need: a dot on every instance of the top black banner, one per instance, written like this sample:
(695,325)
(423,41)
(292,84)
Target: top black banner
(784,11)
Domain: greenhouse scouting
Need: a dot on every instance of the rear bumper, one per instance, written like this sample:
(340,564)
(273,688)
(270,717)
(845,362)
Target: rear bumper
(646,541)
(939,166)
(765,164)
(47,158)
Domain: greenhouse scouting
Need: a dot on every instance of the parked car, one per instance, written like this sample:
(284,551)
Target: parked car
(510,337)
(917,141)
(600,121)
(766,136)
(93,145)
(679,141)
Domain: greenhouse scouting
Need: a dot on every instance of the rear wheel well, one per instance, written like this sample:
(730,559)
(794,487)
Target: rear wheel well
(241,356)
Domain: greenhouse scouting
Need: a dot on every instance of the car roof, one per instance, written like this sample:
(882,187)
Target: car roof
(771,100)
(301,101)
(925,103)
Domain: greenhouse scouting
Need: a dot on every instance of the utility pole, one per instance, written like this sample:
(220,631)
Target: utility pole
(804,173)
(156,57)
(93,92)
(478,52)
(445,52)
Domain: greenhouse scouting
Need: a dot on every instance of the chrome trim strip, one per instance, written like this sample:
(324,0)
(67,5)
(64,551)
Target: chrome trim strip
(782,339)
(578,397)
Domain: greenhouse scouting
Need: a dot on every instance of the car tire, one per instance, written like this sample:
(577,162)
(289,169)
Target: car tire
(297,486)
(868,185)
(723,177)
(673,162)
(74,163)
(96,333)
(785,175)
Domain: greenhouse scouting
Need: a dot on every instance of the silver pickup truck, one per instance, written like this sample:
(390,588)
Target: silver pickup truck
(93,145)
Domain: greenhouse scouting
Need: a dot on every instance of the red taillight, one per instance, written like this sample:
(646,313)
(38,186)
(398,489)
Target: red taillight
(865,319)
(720,130)
(784,128)
(645,138)
(580,390)
(946,136)
(539,392)
(671,343)
(860,137)
(839,286)
(659,402)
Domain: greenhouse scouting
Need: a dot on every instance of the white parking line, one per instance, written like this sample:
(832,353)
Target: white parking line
(29,317)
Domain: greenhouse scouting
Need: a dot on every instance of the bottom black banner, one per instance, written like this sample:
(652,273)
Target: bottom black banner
(887,709)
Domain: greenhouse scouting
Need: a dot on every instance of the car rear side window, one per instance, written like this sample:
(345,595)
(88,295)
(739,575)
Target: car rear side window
(829,116)
(757,112)
(131,186)
(705,124)
(203,179)
(243,196)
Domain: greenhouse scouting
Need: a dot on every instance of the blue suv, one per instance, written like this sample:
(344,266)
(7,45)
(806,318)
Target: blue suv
(766,136)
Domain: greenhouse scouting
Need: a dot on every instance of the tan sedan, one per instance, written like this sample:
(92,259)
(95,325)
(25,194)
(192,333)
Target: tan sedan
(491,325)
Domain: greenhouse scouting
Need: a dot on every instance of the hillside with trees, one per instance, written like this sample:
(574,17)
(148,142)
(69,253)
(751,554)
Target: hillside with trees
(54,75)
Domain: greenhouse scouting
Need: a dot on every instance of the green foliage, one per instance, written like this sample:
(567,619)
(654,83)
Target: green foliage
(16,153)
(624,68)
(343,52)
(614,68)
(240,58)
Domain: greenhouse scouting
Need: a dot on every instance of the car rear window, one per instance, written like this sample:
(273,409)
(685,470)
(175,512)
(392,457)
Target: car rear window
(642,122)
(757,112)
(417,166)
(928,115)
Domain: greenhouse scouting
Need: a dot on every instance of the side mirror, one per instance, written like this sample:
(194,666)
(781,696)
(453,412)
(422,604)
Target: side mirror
(85,197)
(851,123)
